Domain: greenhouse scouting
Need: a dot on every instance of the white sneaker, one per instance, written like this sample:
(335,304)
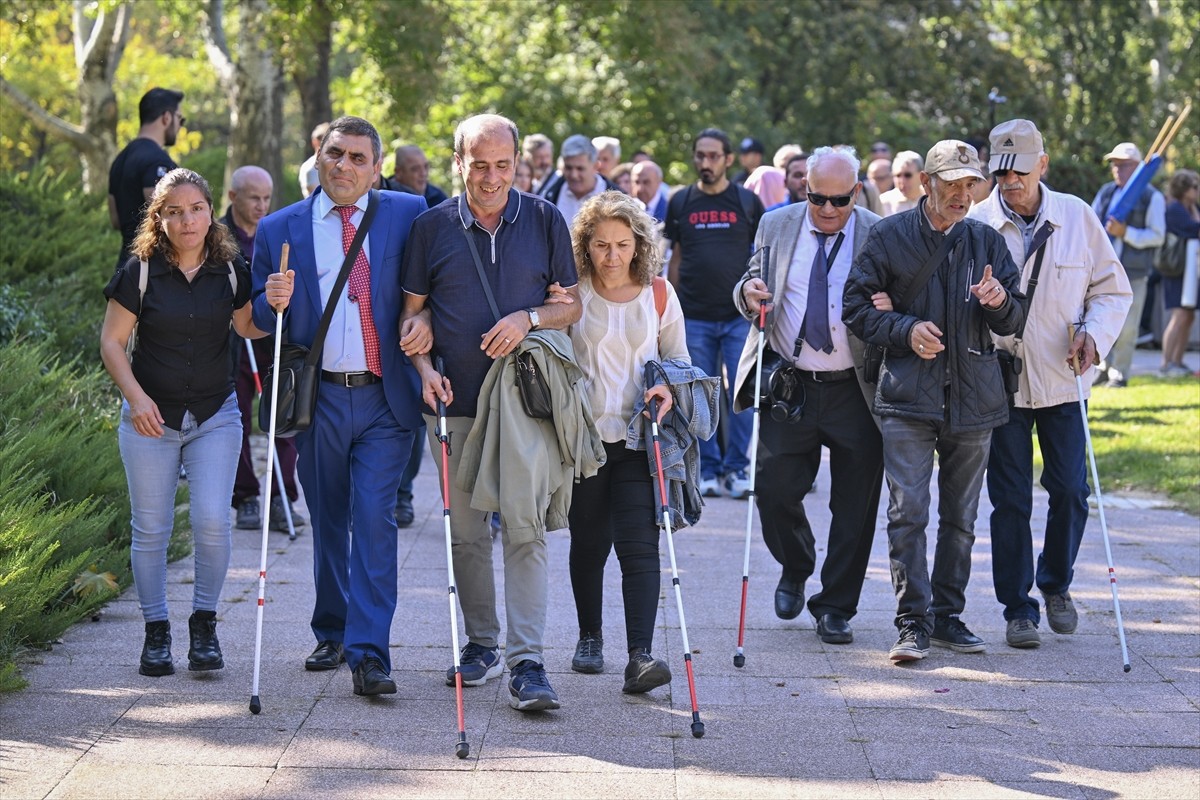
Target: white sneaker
(710,487)
(738,484)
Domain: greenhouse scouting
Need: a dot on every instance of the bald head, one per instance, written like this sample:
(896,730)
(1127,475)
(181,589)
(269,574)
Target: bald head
(243,175)
(412,168)
(647,177)
(250,190)
(481,127)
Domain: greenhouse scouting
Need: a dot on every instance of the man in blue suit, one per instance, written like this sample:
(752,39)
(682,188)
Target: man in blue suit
(351,459)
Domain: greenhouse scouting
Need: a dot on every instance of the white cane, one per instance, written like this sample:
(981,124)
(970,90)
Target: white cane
(1087,434)
(266,495)
(255,703)
(739,658)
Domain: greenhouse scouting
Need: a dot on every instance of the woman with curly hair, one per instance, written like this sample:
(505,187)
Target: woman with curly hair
(617,258)
(179,406)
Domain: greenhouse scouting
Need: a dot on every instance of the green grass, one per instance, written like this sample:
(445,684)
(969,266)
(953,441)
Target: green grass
(1147,438)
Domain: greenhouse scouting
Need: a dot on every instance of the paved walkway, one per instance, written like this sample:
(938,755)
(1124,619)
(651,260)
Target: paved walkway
(801,719)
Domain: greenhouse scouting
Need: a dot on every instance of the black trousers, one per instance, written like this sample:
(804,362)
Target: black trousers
(617,508)
(835,416)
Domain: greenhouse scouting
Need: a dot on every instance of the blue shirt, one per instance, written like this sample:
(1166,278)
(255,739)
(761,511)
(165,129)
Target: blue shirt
(530,250)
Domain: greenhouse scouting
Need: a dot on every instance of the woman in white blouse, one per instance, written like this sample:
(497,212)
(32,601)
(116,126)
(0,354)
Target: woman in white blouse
(626,322)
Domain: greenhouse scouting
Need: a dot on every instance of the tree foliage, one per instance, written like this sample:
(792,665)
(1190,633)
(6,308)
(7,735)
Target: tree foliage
(1090,73)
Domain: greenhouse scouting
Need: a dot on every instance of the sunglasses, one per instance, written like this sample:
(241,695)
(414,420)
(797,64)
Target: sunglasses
(1003,173)
(838,201)
(902,175)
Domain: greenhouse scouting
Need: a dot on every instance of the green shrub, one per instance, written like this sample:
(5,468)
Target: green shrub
(64,509)
(57,252)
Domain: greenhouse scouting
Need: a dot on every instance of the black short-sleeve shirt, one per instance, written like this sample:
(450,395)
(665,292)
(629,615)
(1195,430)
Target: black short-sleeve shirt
(717,239)
(529,251)
(135,169)
(182,357)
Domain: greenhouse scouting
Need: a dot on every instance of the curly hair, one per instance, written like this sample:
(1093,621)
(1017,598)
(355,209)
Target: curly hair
(151,238)
(647,261)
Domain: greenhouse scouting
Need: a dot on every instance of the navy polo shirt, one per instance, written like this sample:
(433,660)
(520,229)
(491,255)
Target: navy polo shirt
(530,250)
(182,356)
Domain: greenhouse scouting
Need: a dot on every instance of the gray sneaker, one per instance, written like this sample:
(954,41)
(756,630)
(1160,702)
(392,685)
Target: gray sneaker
(1061,613)
(1022,633)
(589,655)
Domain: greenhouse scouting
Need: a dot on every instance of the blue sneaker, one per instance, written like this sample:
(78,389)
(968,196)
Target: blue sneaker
(530,688)
(479,665)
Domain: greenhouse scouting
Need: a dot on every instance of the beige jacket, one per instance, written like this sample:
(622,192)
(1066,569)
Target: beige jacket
(1081,282)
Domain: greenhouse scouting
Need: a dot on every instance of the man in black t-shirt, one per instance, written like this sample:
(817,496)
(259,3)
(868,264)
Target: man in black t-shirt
(711,226)
(138,167)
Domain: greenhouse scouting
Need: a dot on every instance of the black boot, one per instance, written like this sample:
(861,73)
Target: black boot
(644,672)
(205,652)
(156,651)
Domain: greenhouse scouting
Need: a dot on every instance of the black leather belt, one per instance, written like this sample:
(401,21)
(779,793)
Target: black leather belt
(826,377)
(351,380)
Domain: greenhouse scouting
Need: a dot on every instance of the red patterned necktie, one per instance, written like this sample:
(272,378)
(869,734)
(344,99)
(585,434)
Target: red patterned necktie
(360,290)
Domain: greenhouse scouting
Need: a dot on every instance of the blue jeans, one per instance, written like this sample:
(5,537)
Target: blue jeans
(711,344)
(1010,488)
(209,453)
(908,449)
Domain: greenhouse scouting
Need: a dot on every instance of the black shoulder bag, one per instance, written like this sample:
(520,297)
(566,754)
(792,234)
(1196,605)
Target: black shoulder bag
(300,366)
(1011,364)
(873,357)
(531,383)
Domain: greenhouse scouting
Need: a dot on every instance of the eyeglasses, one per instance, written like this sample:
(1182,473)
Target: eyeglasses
(1003,173)
(838,201)
(182,119)
(902,174)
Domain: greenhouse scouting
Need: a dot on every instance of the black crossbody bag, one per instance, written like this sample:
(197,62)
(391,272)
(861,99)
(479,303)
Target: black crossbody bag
(531,383)
(300,366)
(1011,364)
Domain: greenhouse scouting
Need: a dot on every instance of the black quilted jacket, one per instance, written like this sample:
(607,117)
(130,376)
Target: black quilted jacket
(966,375)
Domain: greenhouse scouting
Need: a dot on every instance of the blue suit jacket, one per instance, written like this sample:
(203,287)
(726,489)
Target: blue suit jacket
(388,235)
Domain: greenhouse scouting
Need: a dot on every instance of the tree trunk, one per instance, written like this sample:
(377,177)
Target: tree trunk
(310,70)
(250,82)
(97,54)
(98,50)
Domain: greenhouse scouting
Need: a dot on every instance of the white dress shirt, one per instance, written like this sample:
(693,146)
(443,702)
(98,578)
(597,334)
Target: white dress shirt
(569,205)
(795,301)
(344,350)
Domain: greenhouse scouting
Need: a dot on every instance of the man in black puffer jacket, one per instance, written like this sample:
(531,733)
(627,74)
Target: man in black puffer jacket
(940,389)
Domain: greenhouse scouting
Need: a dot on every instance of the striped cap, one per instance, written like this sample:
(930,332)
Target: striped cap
(1016,145)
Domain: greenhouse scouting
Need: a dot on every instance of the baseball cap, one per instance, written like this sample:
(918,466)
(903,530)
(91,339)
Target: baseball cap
(1125,150)
(951,159)
(751,145)
(1015,144)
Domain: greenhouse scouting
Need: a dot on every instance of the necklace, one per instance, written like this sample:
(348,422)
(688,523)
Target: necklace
(192,271)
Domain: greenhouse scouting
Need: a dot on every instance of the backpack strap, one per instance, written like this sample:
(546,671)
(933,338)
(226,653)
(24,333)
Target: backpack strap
(660,295)
(143,278)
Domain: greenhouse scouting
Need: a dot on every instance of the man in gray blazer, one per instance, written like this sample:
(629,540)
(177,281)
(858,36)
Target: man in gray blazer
(812,245)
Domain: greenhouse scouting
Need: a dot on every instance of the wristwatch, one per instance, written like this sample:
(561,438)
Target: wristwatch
(534,321)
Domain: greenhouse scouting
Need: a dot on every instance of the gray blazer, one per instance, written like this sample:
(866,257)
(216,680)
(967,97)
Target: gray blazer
(781,229)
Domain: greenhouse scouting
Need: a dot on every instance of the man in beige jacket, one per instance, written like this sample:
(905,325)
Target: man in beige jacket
(1080,286)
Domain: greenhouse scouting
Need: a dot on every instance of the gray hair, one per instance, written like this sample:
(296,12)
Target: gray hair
(908,157)
(536,141)
(843,154)
(480,124)
(578,145)
(610,143)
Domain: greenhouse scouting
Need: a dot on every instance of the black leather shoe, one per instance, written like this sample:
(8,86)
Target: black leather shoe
(833,629)
(327,656)
(789,599)
(156,650)
(205,651)
(404,512)
(370,678)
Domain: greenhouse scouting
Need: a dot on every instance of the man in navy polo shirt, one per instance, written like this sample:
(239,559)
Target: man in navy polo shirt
(524,247)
